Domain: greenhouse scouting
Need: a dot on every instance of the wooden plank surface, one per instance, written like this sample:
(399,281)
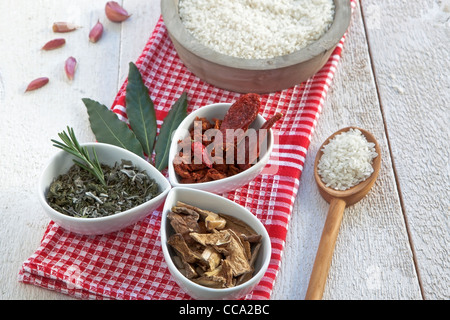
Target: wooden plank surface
(30,120)
(409,46)
(392,245)
(372,258)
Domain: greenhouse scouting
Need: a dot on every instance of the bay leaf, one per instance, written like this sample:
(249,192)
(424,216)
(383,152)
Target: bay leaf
(140,110)
(171,122)
(108,128)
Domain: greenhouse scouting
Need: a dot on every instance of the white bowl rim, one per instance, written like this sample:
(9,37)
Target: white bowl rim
(172,175)
(165,246)
(329,39)
(41,193)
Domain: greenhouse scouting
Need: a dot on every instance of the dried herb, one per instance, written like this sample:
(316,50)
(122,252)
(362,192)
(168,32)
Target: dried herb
(139,137)
(171,122)
(140,110)
(77,194)
(70,144)
(108,128)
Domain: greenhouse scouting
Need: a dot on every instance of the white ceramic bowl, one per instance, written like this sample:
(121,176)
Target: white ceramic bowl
(218,110)
(218,204)
(108,154)
(253,75)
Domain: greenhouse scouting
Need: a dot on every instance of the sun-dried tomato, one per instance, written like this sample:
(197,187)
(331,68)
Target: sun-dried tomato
(241,113)
(252,151)
(199,151)
(240,116)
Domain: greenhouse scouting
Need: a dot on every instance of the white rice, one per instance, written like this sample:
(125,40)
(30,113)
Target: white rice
(256,29)
(347,160)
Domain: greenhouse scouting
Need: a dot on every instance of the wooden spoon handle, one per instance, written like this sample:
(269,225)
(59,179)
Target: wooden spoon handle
(325,250)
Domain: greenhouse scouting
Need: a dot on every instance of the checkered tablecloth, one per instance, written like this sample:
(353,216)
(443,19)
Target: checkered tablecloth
(129,264)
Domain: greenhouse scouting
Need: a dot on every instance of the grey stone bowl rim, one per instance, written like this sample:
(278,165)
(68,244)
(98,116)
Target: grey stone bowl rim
(176,29)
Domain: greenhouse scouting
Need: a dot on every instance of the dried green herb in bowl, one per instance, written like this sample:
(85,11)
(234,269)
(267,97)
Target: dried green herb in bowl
(139,186)
(78,194)
(91,189)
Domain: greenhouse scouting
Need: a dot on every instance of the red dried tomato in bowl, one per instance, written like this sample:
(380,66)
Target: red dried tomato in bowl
(221,147)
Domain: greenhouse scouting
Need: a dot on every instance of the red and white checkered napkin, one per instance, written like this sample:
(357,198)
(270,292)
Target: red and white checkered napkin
(129,264)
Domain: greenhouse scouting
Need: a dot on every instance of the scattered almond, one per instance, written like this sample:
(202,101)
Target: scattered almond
(64,27)
(54,44)
(96,32)
(69,67)
(37,83)
(115,12)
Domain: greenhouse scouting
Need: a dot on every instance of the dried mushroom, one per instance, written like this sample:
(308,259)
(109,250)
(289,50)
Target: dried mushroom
(186,254)
(184,224)
(213,250)
(212,220)
(217,238)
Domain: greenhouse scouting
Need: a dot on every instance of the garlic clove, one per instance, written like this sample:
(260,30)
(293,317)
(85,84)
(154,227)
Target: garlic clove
(64,27)
(37,83)
(69,67)
(54,44)
(96,32)
(115,12)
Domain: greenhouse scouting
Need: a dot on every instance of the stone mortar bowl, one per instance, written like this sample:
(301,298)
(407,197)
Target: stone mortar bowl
(254,75)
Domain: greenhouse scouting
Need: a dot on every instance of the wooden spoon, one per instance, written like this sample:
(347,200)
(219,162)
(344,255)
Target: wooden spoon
(338,200)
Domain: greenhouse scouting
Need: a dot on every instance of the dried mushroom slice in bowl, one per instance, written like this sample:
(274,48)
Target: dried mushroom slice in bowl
(212,249)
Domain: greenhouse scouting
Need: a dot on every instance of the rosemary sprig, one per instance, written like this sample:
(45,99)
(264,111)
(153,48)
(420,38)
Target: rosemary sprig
(70,144)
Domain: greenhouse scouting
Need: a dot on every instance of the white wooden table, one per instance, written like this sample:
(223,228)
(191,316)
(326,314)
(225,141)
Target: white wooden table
(392,80)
